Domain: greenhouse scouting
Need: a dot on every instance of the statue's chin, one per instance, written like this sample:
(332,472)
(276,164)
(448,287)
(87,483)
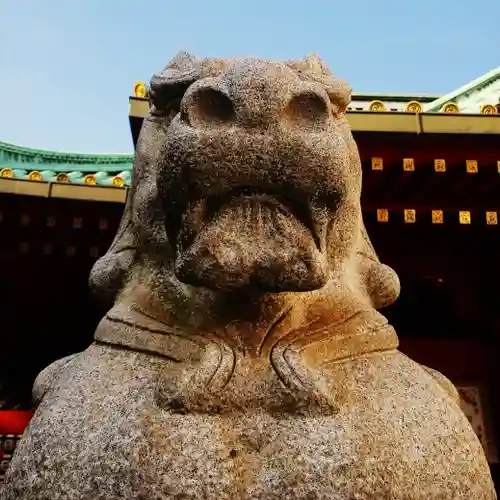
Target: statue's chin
(251,244)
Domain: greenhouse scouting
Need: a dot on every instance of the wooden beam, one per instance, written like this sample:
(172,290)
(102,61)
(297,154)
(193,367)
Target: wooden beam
(63,190)
(382,121)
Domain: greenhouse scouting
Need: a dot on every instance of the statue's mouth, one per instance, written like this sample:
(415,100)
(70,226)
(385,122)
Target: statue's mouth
(244,238)
(289,206)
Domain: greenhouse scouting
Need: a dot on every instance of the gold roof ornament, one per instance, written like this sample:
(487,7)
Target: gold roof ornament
(414,107)
(7,173)
(118,181)
(489,109)
(491,218)
(451,107)
(471,166)
(90,180)
(440,165)
(35,176)
(410,215)
(377,106)
(377,164)
(437,217)
(140,90)
(464,217)
(382,215)
(409,164)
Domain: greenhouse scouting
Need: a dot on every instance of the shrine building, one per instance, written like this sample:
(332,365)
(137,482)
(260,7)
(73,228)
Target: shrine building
(431,184)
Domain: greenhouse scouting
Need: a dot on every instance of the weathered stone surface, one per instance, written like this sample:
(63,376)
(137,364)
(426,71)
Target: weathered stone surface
(243,356)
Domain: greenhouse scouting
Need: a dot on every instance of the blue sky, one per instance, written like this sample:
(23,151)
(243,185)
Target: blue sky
(68,66)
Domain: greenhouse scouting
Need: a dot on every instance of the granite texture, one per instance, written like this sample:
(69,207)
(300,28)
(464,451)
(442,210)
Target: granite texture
(243,356)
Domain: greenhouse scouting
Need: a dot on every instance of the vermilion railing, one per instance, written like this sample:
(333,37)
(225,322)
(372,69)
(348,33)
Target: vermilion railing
(14,421)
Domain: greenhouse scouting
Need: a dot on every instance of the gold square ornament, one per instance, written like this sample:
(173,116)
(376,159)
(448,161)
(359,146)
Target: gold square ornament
(464,217)
(437,217)
(471,166)
(77,223)
(440,165)
(410,215)
(408,164)
(377,164)
(491,218)
(382,215)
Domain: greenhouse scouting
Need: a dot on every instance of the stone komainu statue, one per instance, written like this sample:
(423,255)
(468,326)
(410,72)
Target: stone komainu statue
(243,356)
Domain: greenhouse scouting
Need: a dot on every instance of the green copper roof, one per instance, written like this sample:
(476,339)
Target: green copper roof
(22,161)
(469,88)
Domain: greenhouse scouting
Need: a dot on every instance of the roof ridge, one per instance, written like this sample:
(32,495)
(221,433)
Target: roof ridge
(59,156)
(480,81)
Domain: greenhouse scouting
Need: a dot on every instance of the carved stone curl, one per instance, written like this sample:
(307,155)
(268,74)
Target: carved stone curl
(243,356)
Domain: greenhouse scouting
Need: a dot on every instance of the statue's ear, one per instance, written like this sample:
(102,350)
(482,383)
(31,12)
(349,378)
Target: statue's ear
(179,74)
(313,68)
(316,65)
(109,273)
(380,281)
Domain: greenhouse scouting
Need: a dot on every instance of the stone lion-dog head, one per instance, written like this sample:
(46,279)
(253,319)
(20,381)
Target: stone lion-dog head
(246,185)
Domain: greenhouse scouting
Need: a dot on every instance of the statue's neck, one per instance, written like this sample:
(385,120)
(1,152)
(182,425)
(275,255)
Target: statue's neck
(242,320)
(251,324)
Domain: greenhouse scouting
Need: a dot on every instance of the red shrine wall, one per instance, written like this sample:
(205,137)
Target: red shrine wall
(51,246)
(424,148)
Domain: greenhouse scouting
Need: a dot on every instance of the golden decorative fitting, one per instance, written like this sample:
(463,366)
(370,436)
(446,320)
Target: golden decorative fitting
(410,215)
(491,218)
(498,166)
(118,181)
(414,107)
(440,165)
(377,106)
(35,176)
(377,164)
(437,217)
(7,173)
(90,180)
(464,217)
(489,109)
(382,215)
(51,221)
(408,164)
(77,223)
(471,166)
(140,90)
(62,177)
(451,107)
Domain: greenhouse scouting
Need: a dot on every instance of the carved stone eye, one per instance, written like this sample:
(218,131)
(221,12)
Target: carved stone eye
(209,106)
(307,109)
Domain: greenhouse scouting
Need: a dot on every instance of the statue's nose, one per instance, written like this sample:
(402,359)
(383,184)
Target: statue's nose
(260,103)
